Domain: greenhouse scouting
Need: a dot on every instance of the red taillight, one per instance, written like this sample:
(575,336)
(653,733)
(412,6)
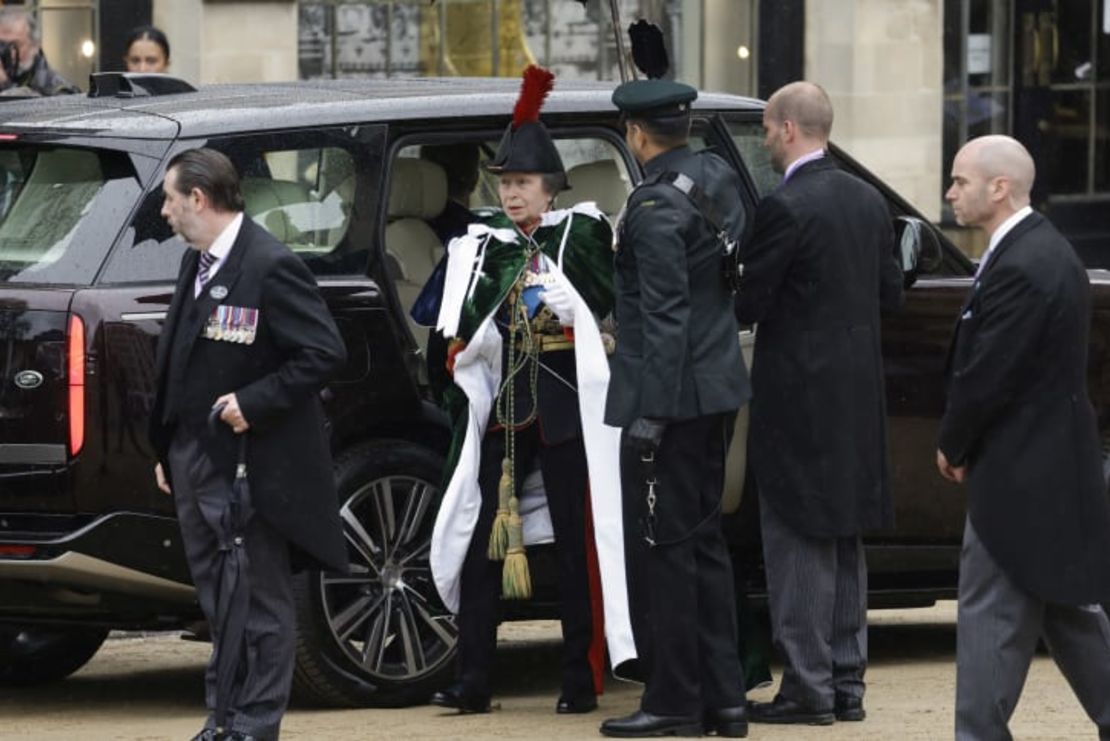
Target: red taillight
(8,137)
(76,347)
(17,551)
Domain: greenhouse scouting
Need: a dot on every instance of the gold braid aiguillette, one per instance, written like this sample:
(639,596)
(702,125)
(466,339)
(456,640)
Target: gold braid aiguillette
(516,582)
(499,536)
(507,536)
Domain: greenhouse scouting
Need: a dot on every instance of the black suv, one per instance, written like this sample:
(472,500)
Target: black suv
(333,170)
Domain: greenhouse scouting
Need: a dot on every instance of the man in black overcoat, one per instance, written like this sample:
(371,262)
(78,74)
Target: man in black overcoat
(818,269)
(678,379)
(246,328)
(1019,429)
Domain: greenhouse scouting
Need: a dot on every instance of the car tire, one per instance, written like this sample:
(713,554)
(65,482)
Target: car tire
(378,636)
(36,655)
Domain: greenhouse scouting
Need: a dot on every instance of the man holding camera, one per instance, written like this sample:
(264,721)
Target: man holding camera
(23,66)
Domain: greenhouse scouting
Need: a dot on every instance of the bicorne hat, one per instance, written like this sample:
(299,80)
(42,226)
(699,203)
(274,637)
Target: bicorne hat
(526,145)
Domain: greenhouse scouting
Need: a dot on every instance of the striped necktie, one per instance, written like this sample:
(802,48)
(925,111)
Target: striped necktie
(207,259)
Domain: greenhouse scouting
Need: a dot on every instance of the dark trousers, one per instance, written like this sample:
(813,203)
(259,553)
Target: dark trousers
(997,629)
(817,589)
(261,693)
(681,590)
(565,480)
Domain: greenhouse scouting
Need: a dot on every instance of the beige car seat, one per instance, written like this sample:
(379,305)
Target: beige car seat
(266,201)
(601,182)
(417,192)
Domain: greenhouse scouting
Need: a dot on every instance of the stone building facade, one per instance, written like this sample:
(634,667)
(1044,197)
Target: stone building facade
(910,79)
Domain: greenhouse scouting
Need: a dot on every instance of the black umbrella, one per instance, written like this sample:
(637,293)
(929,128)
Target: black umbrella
(233,590)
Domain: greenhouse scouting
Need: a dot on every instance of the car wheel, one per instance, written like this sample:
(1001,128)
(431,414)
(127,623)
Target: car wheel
(378,636)
(34,655)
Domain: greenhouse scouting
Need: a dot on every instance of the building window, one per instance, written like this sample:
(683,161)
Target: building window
(1039,71)
(1069,56)
(977,64)
(413,38)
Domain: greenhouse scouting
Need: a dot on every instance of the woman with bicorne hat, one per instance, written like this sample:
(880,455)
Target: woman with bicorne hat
(523,295)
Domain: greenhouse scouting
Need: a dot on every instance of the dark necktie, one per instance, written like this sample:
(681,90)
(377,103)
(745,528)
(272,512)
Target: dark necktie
(207,259)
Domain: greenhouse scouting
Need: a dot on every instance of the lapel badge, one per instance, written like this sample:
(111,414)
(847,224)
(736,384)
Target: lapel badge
(218,292)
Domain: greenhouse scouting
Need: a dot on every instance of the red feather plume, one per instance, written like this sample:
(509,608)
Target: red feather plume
(533,91)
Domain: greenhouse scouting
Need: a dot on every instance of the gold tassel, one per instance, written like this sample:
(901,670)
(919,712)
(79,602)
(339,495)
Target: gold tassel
(499,536)
(516,583)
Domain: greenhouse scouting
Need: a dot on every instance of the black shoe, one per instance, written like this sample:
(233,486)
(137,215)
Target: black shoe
(456,698)
(782,710)
(575,706)
(239,736)
(728,722)
(209,734)
(849,708)
(643,725)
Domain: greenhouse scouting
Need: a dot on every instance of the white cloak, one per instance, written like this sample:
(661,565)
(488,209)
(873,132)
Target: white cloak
(478,374)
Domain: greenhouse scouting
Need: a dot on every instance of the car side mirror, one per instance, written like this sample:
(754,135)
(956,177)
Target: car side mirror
(917,248)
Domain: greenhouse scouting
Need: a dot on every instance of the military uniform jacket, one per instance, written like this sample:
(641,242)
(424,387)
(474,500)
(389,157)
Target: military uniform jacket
(817,269)
(678,352)
(1019,417)
(276,378)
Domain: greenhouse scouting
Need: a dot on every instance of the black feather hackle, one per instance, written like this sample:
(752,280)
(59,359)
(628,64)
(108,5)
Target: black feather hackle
(649,53)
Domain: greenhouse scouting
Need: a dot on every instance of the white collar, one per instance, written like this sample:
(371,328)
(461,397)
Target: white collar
(805,159)
(222,244)
(1005,227)
(219,249)
(1002,230)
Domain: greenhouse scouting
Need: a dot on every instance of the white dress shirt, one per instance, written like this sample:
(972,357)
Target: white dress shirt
(219,249)
(804,159)
(1002,230)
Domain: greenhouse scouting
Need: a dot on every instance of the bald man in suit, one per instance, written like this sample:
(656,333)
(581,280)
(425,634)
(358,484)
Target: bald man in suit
(1020,431)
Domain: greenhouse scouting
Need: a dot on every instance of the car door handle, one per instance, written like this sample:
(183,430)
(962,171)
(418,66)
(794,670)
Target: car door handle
(142,316)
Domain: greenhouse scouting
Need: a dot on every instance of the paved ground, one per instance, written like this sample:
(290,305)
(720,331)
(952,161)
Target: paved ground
(149,688)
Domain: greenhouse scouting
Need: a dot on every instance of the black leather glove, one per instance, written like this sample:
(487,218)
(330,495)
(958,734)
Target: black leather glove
(644,435)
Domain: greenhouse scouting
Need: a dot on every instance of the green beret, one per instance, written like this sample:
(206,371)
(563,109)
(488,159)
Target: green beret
(654,98)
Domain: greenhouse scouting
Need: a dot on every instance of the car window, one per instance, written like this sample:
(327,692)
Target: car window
(301,187)
(303,197)
(60,208)
(595,172)
(435,190)
(148,250)
(748,137)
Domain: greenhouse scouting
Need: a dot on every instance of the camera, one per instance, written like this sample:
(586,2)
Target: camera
(9,60)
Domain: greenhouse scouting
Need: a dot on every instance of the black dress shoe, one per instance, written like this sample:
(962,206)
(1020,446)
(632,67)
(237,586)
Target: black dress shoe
(575,706)
(209,734)
(782,710)
(849,708)
(457,698)
(727,722)
(644,725)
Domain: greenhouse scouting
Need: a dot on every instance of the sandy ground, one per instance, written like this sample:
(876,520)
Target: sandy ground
(150,688)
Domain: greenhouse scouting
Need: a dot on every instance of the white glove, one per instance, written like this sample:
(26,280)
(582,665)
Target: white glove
(560,303)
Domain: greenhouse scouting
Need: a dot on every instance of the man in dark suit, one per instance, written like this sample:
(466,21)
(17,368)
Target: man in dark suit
(246,329)
(1019,429)
(817,270)
(678,379)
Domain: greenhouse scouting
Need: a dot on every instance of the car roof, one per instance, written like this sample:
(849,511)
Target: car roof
(222,109)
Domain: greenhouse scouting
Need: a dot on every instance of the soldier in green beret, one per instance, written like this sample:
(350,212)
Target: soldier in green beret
(678,379)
